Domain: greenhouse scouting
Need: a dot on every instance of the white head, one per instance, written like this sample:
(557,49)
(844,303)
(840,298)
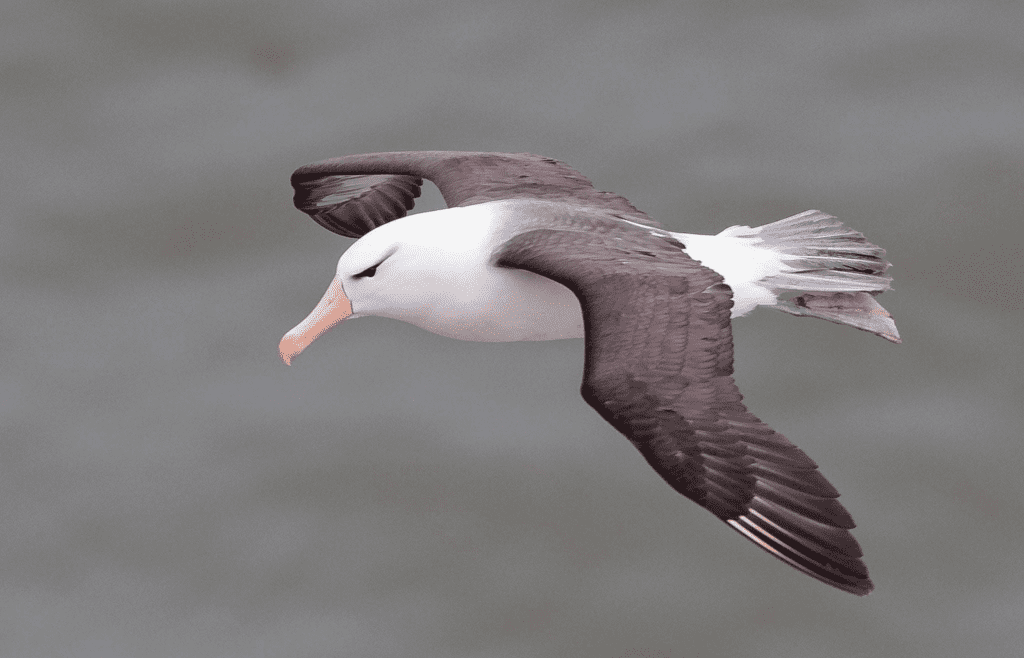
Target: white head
(410,269)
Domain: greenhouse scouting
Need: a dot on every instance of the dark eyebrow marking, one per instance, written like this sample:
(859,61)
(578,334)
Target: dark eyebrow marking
(368,272)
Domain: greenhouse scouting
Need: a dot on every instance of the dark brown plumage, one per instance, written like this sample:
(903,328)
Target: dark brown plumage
(354,194)
(659,369)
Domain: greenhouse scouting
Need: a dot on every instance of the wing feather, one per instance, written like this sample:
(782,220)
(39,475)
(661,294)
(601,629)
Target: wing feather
(659,369)
(352,205)
(355,194)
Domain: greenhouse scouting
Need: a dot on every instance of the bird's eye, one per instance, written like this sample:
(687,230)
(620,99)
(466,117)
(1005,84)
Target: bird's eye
(368,272)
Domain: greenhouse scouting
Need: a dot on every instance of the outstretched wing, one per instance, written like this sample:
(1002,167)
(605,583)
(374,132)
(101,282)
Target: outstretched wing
(353,206)
(354,194)
(658,368)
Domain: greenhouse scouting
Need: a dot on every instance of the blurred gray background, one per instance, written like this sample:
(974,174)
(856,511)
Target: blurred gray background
(169,488)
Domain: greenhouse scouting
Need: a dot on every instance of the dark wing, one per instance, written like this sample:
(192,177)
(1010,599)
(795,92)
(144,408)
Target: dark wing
(355,205)
(658,368)
(354,194)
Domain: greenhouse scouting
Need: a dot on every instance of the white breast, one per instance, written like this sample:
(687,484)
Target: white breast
(448,286)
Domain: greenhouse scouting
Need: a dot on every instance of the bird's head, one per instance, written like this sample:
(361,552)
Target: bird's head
(404,270)
(365,272)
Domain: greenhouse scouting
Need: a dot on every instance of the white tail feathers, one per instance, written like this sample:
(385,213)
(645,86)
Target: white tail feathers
(834,269)
(823,255)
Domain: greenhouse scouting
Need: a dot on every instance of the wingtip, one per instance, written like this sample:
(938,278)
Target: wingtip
(850,577)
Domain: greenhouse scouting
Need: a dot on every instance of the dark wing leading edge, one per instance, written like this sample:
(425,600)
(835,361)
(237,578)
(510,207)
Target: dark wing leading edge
(354,194)
(658,368)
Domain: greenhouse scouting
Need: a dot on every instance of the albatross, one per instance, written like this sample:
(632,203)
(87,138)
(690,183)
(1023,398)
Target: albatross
(528,249)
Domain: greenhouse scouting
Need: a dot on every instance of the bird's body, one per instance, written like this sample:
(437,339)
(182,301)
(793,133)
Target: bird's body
(529,250)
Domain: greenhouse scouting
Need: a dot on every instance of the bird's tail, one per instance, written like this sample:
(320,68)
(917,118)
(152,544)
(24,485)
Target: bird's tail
(834,271)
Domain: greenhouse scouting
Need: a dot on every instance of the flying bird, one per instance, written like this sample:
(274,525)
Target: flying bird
(528,249)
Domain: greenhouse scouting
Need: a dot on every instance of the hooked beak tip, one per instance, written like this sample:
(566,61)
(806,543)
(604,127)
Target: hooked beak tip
(289,348)
(332,309)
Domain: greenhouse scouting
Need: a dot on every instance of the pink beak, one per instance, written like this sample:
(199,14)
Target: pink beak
(332,309)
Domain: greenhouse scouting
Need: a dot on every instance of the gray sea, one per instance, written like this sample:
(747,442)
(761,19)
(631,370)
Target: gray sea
(169,488)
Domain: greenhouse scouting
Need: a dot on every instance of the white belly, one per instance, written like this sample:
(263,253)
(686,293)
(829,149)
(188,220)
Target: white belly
(504,305)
